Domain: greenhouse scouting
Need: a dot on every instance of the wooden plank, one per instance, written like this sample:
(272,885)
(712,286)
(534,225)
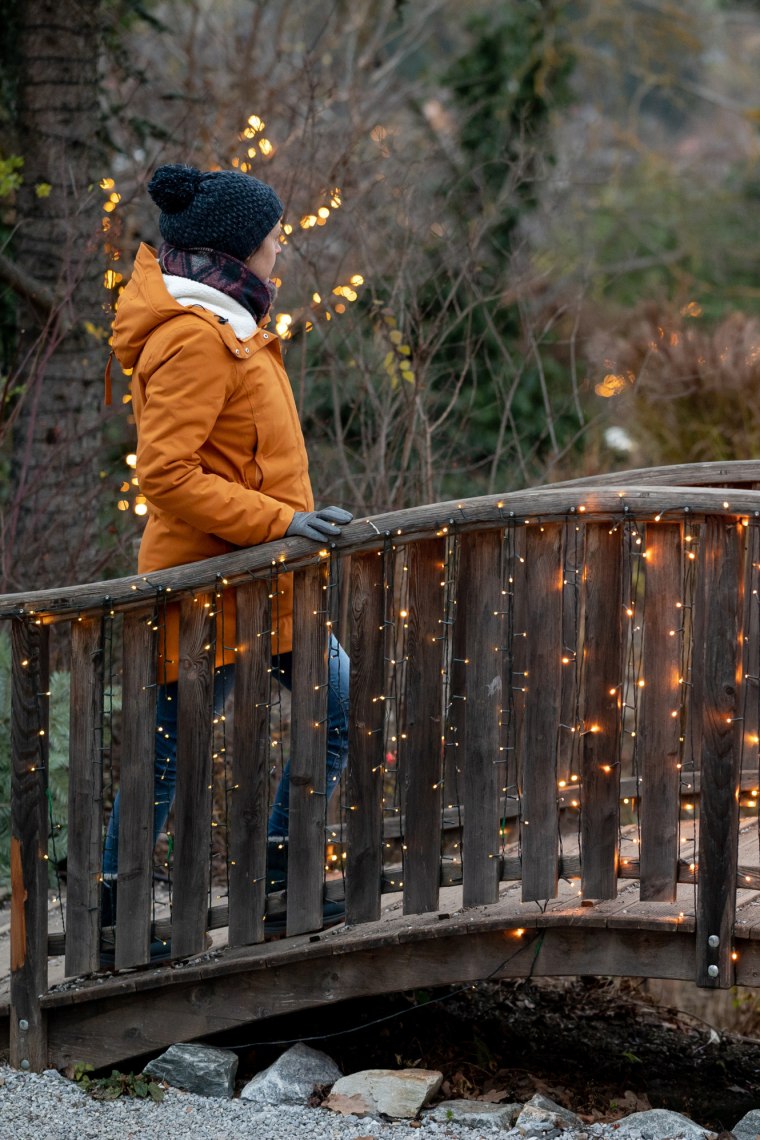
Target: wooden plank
(478,610)
(84,854)
(250,766)
(29,835)
(751,644)
(730,473)
(455,691)
(415,523)
(306,847)
(108,1030)
(573,545)
(602,688)
(136,790)
(192,808)
(514,667)
(543,702)
(420,757)
(718,658)
(660,720)
(366,761)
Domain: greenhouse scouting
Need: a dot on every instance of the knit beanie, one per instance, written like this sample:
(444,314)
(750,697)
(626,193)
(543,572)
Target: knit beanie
(222,210)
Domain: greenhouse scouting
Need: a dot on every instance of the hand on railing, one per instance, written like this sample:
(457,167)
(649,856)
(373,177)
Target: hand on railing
(318,525)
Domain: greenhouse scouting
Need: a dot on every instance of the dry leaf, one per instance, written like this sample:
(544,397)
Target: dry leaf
(495,1096)
(354,1105)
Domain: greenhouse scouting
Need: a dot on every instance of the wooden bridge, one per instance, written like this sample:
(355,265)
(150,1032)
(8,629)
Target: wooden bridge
(554,718)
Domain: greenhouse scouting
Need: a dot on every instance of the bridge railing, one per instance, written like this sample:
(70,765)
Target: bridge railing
(511,656)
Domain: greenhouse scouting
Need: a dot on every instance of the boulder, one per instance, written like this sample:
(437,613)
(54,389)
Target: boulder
(659,1124)
(292,1077)
(201,1069)
(397,1093)
(541,1115)
(748,1128)
(475,1113)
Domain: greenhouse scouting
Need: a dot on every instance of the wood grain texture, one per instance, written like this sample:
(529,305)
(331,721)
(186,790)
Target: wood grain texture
(605,501)
(29,843)
(543,702)
(366,759)
(135,876)
(306,848)
(660,719)
(116,1027)
(192,808)
(250,766)
(420,754)
(479,605)
(718,658)
(85,820)
(602,689)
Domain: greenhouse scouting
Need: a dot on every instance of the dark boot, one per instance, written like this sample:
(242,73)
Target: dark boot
(159,950)
(277,863)
(333,910)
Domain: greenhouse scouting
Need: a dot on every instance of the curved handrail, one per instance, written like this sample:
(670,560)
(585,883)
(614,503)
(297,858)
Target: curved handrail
(644,501)
(733,473)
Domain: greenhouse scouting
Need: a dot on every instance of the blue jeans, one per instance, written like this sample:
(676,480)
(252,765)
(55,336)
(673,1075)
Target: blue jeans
(165,766)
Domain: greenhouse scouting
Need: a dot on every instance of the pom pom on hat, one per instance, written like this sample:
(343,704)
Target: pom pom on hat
(222,210)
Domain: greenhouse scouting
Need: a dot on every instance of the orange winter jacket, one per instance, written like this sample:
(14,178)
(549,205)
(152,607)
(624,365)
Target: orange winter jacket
(221,458)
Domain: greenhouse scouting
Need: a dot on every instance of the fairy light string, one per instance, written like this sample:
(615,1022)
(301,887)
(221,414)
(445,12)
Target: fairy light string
(507,758)
(394,656)
(631,529)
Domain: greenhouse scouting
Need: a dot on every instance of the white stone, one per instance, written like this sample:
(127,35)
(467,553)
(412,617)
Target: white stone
(659,1124)
(397,1093)
(541,1114)
(292,1077)
(476,1113)
(749,1126)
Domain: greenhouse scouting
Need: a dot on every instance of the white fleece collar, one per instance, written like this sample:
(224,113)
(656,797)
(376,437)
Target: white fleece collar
(188,292)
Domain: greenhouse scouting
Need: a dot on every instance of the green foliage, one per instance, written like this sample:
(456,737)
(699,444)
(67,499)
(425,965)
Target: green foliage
(10,174)
(117,1085)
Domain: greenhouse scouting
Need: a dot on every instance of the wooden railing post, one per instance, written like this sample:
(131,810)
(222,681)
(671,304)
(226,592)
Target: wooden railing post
(29,835)
(660,721)
(192,810)
(602,715)
(250,765)
(717,669)
(366,760)
(84,854)
(308,737)
(543,702)
(136,791)
(420,754)
(478,607)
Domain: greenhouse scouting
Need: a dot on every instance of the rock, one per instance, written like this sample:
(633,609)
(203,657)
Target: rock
(476,1114)
(292,1077)
(540,1115)
(398,1093)
(748,1127)
(201,1069)
(659,1124)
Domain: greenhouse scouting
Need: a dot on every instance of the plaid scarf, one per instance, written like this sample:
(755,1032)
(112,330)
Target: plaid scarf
(221,272)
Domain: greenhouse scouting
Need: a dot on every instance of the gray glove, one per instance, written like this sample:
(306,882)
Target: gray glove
(318,525)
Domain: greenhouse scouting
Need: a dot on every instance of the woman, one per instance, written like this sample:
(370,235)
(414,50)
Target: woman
(221,458)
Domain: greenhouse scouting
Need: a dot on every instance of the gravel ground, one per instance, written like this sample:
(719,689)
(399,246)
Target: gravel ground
(47,1106)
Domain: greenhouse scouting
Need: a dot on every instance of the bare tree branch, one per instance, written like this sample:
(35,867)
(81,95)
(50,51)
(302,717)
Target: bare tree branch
(27,286)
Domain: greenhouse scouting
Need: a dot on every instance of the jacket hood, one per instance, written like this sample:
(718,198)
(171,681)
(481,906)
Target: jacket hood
(145,305)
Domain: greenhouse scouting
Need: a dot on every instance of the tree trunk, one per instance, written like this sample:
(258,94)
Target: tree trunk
(51,527)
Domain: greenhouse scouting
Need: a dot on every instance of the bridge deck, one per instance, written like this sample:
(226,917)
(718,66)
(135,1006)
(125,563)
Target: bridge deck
(109,1017)
(590,650)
